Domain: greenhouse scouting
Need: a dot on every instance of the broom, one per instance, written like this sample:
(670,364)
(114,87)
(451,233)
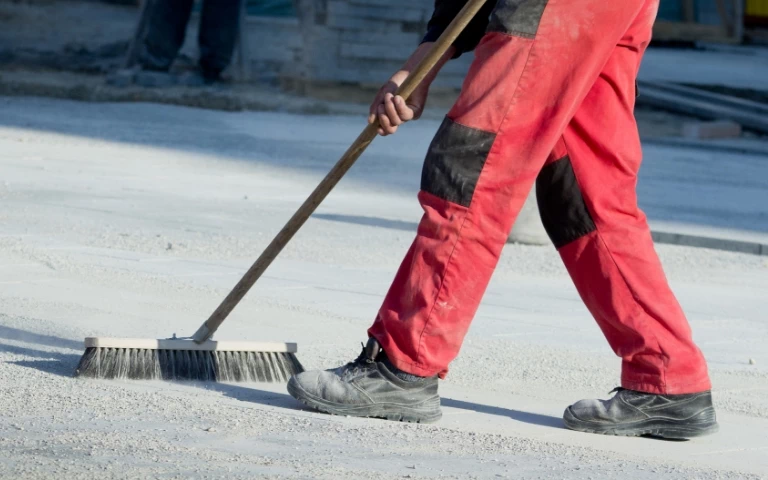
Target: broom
(198,357)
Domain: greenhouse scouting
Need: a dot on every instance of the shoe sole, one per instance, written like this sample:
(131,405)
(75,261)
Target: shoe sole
(701,424)
(423,413)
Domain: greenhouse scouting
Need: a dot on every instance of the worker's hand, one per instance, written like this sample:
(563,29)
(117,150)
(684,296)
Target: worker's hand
(392,110)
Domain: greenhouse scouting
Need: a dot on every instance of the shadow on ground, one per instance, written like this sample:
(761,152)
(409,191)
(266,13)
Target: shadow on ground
(517,415)
(55,363)
(254,395)
(62,364)
(18,335)
(307,144)
(282,400)
(716,189)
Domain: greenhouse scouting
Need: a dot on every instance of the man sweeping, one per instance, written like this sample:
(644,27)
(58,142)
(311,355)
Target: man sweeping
(549,98)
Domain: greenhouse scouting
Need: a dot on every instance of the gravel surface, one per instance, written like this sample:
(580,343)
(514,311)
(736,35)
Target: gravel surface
(135,220)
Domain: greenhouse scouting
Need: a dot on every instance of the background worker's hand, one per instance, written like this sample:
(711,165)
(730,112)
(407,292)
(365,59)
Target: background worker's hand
(392,110)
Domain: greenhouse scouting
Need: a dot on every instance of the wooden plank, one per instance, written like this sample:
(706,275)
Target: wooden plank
(368,38)
(320,53)
(387,67)
(375,52)
(369,76)
(375,12)
(347,22)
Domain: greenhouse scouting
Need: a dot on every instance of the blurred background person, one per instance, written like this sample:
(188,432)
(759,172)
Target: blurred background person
(166,29)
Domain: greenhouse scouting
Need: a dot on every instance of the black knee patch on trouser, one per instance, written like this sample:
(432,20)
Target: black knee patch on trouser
(561,205)
(454,161)
(517,17)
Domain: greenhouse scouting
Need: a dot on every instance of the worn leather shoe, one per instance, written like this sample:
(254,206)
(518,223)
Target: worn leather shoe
(368,387)
(631,413)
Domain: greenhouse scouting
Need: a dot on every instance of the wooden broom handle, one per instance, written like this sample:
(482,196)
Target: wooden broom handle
(337,172)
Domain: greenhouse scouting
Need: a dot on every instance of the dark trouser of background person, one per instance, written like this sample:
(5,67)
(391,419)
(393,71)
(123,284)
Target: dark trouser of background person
(167,28)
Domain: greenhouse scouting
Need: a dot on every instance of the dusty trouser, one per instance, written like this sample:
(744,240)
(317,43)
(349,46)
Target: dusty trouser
(168,26)
(549,98)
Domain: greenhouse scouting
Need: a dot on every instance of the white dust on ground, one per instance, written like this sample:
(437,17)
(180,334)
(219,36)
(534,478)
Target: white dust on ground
(124,230)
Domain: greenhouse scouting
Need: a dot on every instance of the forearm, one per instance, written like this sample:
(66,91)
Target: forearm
(421,52)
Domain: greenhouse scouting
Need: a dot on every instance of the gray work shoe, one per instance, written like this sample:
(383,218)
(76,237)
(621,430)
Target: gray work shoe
(630,413)
(369,387)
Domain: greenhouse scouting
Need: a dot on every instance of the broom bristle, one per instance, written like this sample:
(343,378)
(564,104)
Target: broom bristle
(198,365)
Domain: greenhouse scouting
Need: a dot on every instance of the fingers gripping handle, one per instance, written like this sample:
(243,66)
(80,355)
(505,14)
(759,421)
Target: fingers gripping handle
(365,138)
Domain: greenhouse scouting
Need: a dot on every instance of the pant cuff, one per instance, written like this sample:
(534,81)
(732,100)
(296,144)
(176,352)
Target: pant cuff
(676,388)
(402,361)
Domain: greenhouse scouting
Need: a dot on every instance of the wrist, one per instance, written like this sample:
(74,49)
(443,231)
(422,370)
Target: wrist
(421,51)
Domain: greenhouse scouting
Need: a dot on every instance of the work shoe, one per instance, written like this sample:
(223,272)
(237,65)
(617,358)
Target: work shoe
(630,413)
(369,387)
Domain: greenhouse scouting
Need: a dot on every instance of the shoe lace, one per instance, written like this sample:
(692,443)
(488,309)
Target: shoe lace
(362,362)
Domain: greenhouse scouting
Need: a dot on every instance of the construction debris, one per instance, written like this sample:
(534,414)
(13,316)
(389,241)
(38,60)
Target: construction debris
(703,104)
(711,130)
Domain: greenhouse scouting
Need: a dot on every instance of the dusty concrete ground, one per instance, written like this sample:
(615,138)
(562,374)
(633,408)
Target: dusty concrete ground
(136,219)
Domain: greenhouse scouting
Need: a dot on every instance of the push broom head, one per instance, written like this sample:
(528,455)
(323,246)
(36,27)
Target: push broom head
(179,359)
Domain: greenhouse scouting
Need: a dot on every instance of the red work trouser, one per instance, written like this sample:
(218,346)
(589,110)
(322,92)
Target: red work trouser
(549,98)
